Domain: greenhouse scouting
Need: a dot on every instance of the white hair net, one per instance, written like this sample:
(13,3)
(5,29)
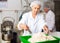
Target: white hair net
(47,6)
(35,3)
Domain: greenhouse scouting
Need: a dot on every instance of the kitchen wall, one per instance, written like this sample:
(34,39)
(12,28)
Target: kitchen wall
(10,5)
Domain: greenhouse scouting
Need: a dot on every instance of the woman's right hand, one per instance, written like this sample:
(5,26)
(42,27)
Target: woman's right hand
(23,26)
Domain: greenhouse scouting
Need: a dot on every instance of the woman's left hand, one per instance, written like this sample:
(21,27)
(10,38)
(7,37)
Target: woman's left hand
(46,30)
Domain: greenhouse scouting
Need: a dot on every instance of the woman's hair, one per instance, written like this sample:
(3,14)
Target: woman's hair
(35,3)
(46,6)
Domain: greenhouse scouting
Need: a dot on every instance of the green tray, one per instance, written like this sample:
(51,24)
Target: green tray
(58,38)
(24,39)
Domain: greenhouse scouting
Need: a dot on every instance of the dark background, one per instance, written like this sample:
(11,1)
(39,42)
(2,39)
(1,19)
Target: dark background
(57,14)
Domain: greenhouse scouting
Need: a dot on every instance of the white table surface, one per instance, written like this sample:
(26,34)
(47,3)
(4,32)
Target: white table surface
(57,34)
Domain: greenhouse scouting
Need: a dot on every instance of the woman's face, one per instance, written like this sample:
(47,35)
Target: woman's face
(46,10)
(36,8)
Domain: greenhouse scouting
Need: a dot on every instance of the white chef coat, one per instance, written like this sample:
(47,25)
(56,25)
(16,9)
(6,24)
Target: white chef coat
(35,25)
(50,19)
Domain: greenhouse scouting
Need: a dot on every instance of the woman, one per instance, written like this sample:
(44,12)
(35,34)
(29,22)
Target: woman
(33,22)
(49,18)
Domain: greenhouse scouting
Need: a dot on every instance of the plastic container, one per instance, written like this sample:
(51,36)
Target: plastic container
(24,39)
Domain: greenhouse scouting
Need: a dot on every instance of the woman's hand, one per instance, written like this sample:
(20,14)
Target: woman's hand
(23,26)
(45,28)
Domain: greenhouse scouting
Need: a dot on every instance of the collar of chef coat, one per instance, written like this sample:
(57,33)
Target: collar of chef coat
(36,18)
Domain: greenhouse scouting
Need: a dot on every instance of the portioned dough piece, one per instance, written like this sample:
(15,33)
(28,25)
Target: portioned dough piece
(50,38)
(42,39)
(32,40)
